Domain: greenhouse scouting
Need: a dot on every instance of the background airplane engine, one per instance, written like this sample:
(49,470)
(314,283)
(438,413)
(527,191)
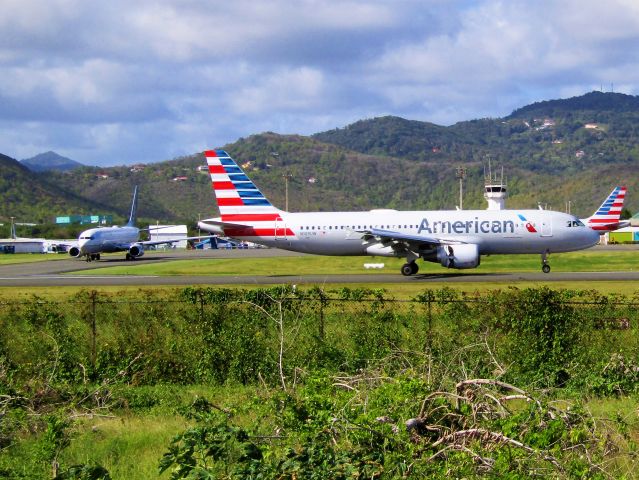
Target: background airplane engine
(458,256)
(136,250)
(74,252)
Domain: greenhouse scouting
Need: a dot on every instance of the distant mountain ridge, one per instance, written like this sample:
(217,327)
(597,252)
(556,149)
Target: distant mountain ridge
(29,196)
(553,152)
(50,161)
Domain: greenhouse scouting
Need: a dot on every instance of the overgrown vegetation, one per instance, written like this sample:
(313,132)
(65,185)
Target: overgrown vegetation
(344,383)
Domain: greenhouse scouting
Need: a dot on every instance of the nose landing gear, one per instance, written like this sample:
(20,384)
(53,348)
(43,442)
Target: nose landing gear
(544,262)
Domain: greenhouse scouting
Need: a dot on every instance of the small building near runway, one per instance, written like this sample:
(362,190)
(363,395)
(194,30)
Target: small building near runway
(23,245)
(158,233)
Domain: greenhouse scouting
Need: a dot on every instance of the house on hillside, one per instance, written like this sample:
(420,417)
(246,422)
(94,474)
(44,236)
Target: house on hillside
(181,178)
(591,126)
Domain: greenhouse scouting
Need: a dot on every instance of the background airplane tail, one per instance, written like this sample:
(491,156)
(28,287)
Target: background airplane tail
(134,209)
(238,199)
(608,215)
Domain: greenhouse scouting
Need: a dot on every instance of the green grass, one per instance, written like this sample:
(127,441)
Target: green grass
(131,444)
(13,258)
(129,447)
(587,260)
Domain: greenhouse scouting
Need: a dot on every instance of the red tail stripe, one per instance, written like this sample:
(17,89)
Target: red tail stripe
(603,220)
(216,169)
(229,202)
(258,232)
(210,153)
(251,217)
(223,186)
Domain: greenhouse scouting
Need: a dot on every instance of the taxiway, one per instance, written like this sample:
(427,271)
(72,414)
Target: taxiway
(59,272)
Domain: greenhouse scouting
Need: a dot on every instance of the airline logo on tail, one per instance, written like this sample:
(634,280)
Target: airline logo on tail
(246,210)
(608,216)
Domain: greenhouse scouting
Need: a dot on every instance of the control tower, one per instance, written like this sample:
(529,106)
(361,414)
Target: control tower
(495,191)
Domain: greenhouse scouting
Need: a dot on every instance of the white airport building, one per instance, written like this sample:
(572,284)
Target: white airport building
(158,233)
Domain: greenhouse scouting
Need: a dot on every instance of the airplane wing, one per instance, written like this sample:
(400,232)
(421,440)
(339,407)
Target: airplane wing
(402,242)
(148,243)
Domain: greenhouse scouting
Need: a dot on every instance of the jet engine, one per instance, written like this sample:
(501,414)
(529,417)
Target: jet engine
(136,250)
(379,250)
(458,256)
(74,252)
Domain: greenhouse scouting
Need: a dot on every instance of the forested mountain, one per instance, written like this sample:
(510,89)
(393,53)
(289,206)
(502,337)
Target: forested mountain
(576,149)
(50,161)
(31,198)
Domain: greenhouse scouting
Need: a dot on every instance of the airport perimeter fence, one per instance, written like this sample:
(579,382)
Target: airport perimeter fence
(279,335)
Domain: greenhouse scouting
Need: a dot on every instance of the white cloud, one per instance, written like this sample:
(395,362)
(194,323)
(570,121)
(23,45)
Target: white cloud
(118,82)
(298,89)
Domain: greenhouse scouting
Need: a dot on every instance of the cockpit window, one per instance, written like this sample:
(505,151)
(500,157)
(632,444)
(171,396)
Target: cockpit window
(575,223)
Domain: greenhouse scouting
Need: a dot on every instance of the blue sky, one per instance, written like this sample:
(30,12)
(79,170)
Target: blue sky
(111,83)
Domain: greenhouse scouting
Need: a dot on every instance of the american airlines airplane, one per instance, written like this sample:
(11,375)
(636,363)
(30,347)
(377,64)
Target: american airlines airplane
(93,242)
(454,238)
(608,216)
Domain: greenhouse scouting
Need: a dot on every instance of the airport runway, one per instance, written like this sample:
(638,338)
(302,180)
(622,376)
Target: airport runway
(59,272)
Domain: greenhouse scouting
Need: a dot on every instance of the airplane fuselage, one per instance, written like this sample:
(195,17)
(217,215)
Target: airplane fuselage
(455,239)
(107,239)
(494,232)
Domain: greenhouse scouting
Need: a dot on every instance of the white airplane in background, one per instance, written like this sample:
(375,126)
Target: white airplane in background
(93,242)
(454,238)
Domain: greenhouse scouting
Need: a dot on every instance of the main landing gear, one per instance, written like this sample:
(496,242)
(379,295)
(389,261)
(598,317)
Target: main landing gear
(544,262)
(409,269)
(93,256)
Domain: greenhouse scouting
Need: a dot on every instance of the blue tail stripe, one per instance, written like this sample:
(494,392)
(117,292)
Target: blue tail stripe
(238,176)
(256,201)
(244,185)
(249,194)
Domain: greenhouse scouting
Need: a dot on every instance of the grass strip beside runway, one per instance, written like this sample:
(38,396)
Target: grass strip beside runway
(584,261)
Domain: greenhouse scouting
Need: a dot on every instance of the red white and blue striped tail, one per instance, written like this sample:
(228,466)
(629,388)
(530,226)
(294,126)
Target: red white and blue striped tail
(238,199)
(608,215)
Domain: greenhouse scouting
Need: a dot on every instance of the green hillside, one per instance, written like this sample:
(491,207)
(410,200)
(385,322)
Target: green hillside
(553,152)
(30,197)
(544,136)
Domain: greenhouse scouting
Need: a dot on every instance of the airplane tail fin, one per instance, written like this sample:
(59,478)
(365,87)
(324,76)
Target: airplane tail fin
(608,215)
(238,199)
(134,209)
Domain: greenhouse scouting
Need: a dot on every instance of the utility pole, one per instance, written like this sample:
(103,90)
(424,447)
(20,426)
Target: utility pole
(286,176)
(460,173)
